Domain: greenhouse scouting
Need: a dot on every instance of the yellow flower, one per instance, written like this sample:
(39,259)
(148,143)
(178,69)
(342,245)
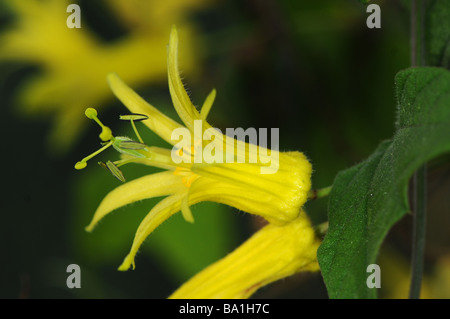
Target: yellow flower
(275,194)
(272,253)
(74,62)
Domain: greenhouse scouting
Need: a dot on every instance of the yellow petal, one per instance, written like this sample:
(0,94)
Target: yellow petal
(181,101)
(272,253)
(277,197)
(149,186)
(186,210)
(157,121)
(162,211)
(159,213)
(208,104)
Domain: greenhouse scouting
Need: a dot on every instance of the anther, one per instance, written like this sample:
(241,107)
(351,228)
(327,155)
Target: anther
(131,145)
(113,169)
(134,117)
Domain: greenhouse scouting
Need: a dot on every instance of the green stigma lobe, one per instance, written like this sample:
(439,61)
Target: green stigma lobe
(90,113)
(80,165)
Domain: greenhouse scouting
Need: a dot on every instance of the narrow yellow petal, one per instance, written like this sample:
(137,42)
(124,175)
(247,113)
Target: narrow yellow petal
(208,104)
(272,253)
(162,211)
(181,101)
(186,211)
(149,186)
(159,213)
(157,121)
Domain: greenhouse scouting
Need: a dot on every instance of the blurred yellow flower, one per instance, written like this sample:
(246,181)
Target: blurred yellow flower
(74,62)
(396,274)
(272,253)
(439,280)
(146,16)
(278,196)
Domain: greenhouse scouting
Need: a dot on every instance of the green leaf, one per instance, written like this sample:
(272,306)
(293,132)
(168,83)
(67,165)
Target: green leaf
(437,33)
(369,198)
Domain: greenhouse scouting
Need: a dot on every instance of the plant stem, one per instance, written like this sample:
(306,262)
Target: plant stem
(413,33)
(420,176)
(322,229)
(319,193)
(419,224)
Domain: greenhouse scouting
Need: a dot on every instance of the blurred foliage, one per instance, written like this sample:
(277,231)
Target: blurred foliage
(311,68)
(437,34)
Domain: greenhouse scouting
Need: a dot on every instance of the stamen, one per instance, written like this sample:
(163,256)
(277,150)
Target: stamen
(136,132)
(135,117)
(83,163)
(161,155)
(113,169)
(131,145)
(106,133)
(124,161)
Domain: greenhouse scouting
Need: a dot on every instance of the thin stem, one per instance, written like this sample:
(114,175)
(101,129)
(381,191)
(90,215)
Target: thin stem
(97,152)
(136,132)
(319,193)
(413,33)
(419,225)
(124,161)
(322,229)
(419,178)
